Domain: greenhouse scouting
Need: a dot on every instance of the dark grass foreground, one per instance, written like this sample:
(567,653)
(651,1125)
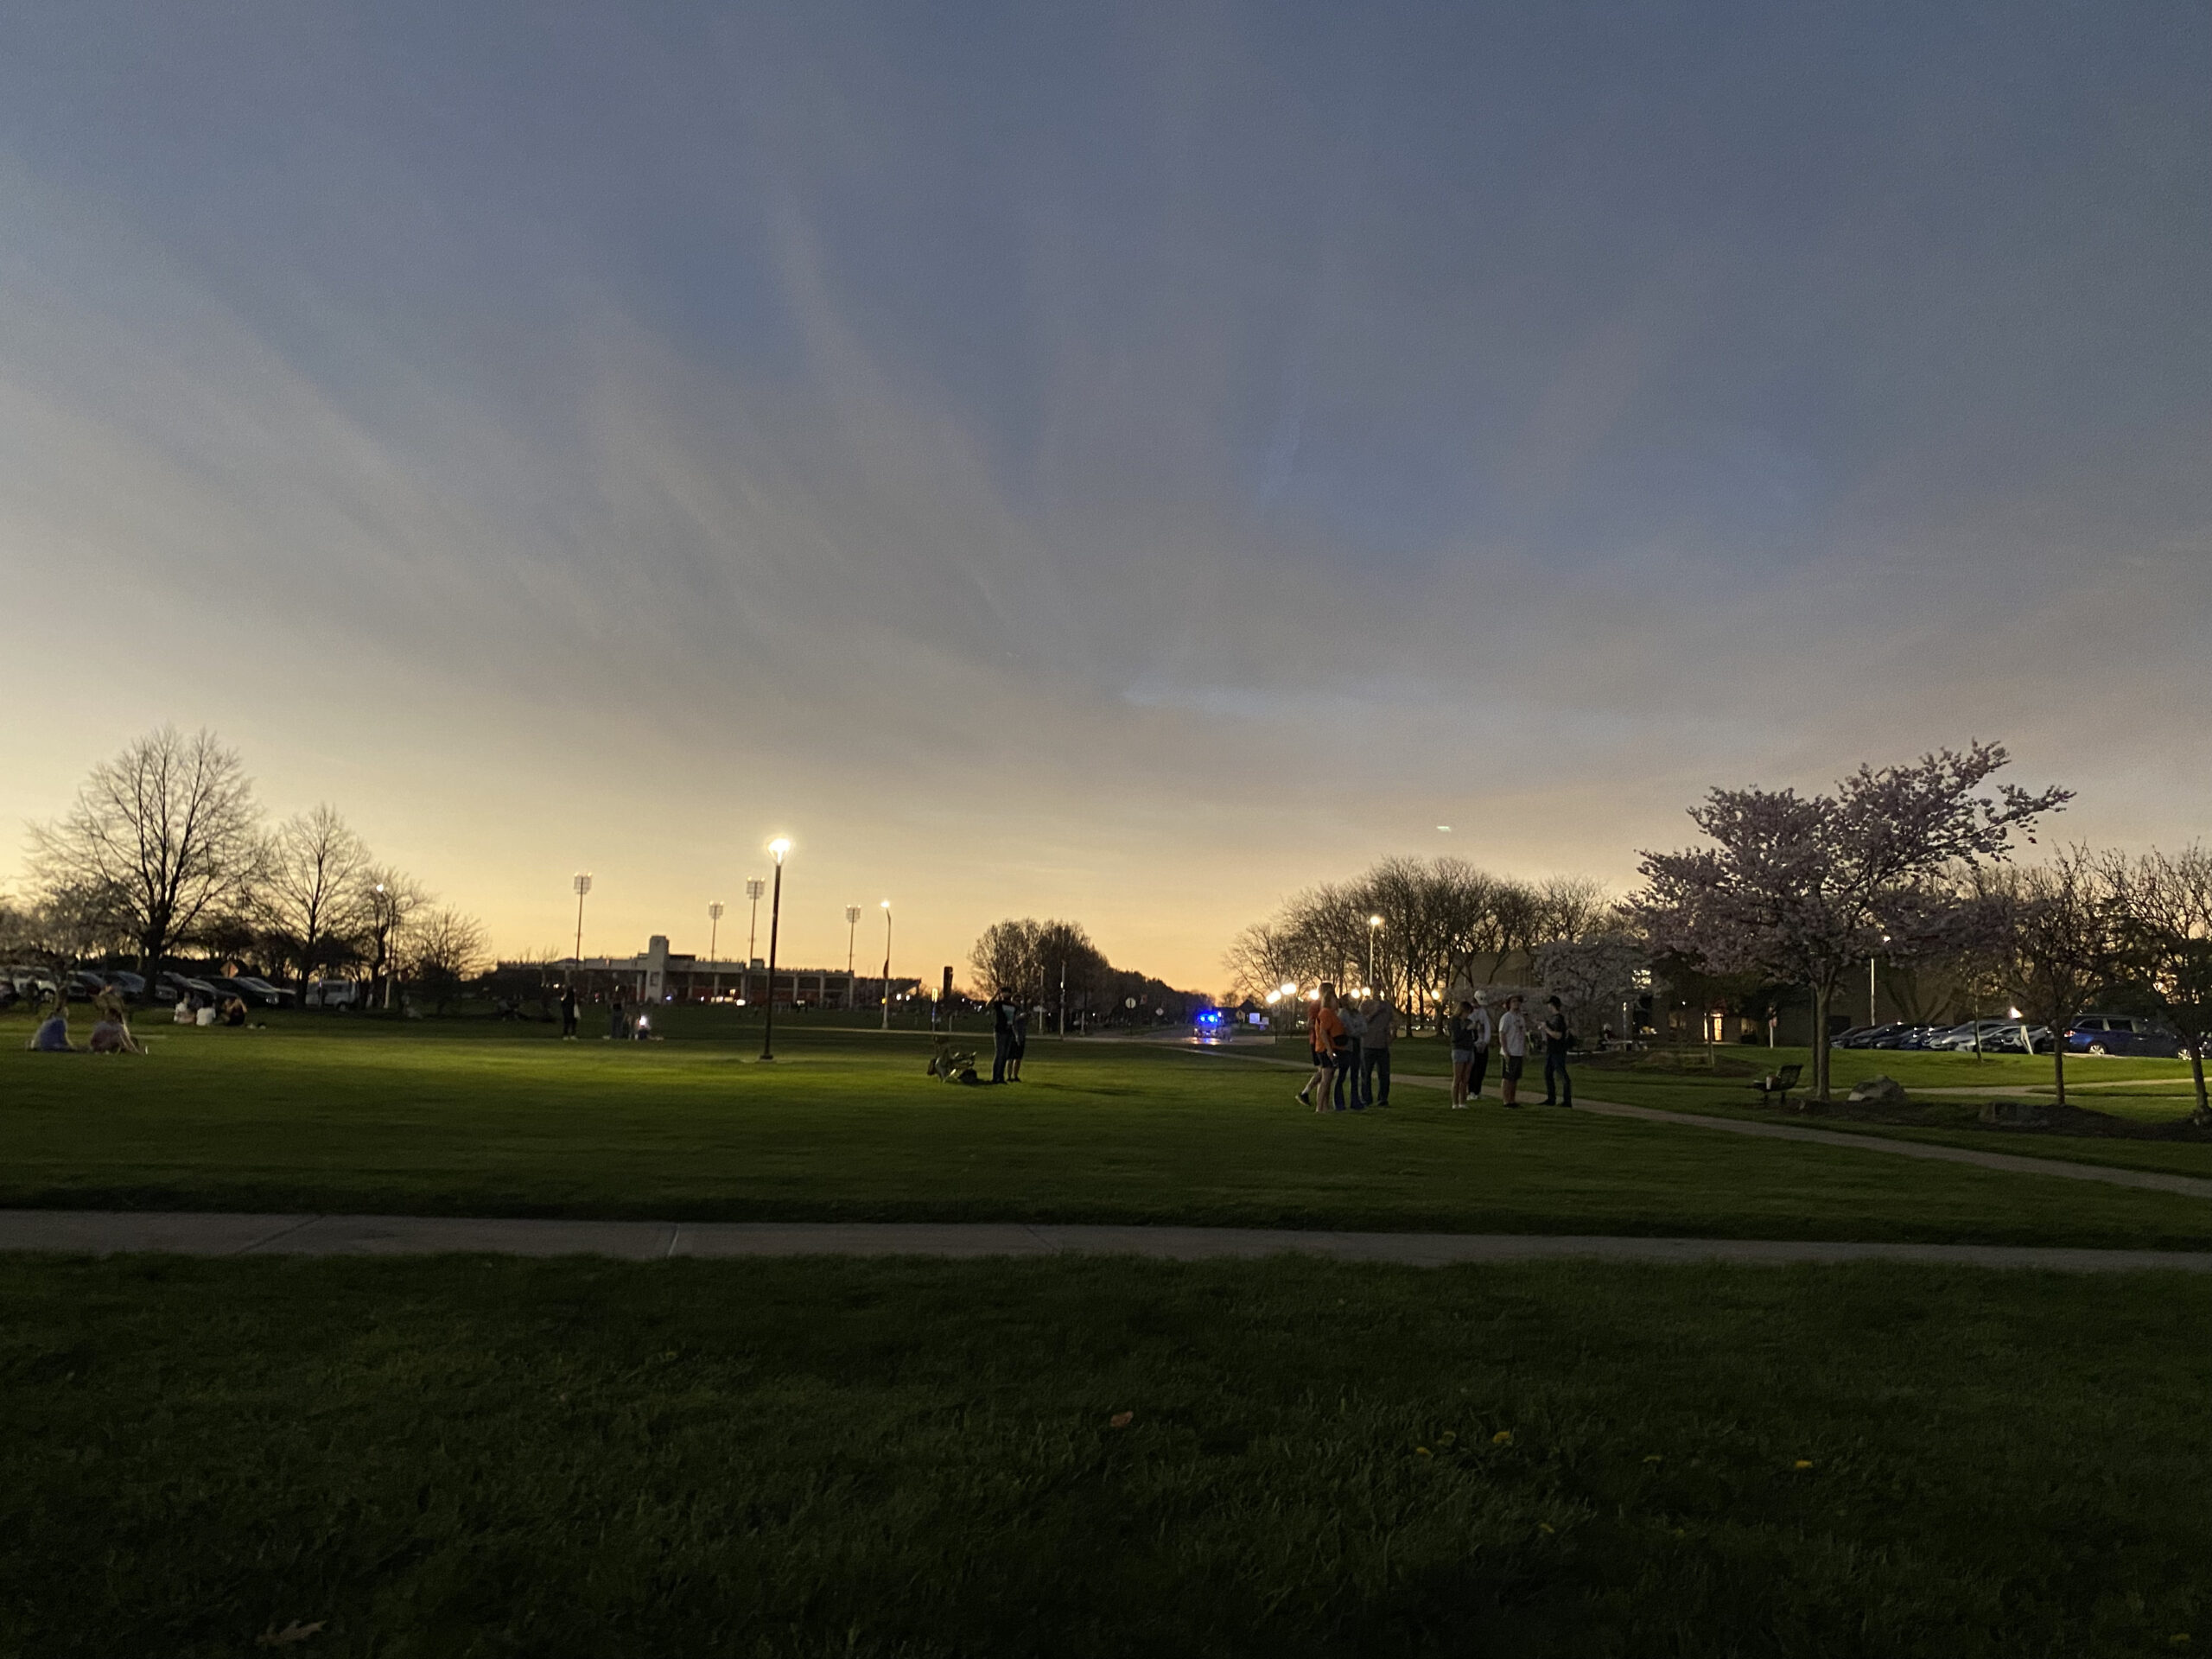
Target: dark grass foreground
(467,1456)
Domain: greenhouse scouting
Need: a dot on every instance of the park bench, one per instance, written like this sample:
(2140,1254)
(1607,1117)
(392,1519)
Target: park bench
(1780,1084)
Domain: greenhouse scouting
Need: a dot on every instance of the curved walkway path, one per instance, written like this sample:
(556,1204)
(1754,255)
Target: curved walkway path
(2193,1186)
(99,1232)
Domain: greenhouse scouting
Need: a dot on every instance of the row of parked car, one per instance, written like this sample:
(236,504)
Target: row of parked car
(167,989)
(2093,1033)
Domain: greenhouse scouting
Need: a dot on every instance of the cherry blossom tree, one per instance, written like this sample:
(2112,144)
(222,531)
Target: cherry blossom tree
(1806,887)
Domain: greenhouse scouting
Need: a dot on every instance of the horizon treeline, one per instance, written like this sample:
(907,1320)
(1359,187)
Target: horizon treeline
(166,852)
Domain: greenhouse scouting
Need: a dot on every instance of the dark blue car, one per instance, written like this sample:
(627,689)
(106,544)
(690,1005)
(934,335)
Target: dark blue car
(2118,1034)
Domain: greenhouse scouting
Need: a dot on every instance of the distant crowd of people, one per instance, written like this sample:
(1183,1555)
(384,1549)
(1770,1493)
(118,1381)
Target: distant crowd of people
(1352,1052)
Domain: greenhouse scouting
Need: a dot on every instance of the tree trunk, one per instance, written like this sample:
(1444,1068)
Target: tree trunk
(2196,1074)
(1823,992)
(2058,1056)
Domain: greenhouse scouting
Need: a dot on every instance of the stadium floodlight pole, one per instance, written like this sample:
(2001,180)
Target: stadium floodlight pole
(779,846)
(886,964)
(852,933)
(714,936)
(583,887)
(755,886)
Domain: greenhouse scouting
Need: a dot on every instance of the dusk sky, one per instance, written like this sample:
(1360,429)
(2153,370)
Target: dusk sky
(1119,462)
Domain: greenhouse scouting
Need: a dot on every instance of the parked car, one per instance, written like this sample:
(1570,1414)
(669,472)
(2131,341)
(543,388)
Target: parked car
(182,988)
(334,994)
(131,986)
(1905,1037)
(84,984)
(2006,1039)
(1960,1038)
(1866,1036)
(2118,1033)
(31,981)
(260,990)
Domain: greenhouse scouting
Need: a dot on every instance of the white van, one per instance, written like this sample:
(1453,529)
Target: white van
(334,993)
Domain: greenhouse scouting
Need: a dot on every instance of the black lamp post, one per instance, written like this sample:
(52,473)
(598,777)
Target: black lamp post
(779,846)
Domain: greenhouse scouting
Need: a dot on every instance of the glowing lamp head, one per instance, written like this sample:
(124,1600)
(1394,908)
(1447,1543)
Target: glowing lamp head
(1375,921)
(779,846)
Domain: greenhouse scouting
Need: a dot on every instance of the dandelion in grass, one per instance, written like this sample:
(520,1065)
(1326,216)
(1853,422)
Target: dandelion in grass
(1803,1462)
(1503,1437)
(1422,1451)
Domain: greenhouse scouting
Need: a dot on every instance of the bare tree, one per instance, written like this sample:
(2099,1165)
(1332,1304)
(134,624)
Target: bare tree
(445,949)
(2061,936)
(1806,887)
(2165,903)
(389,902)
(162,835)
(310,894)
(1004,958)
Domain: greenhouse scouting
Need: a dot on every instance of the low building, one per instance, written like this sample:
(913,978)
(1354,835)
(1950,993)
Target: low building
(659,974)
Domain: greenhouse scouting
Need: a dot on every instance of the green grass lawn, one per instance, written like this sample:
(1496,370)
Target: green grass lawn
(469,1456)
(2094,1084)
(469,1117)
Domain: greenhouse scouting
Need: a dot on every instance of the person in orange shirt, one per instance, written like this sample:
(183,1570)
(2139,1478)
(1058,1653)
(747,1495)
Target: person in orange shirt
(1329,1038)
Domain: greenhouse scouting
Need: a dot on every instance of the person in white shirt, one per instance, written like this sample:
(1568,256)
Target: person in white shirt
(1478,1067)
(1513,1039)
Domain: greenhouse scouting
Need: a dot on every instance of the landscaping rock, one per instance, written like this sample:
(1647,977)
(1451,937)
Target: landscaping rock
(1878,1091)
(2016,1114)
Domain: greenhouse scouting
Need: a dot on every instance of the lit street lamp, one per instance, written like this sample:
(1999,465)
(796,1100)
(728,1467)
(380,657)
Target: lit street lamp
(886,964)
(779,846)
(1869,984)
(1373,923)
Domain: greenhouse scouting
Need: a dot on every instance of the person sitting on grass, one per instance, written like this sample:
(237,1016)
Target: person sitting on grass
(52,1036)
(111,1035)
(234,1012)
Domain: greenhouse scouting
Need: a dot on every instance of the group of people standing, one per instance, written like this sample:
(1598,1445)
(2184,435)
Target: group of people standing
(1351,1053)
(1472,1033)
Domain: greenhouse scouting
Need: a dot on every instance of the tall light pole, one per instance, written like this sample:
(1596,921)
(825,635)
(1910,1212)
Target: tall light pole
(714,934)
(754,887)
(583,887)
(852,934)
(779,846)
(886,964)
(1373,923)
(1869,984)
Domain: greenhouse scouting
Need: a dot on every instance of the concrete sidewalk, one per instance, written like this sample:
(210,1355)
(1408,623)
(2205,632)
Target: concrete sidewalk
(97,1232)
